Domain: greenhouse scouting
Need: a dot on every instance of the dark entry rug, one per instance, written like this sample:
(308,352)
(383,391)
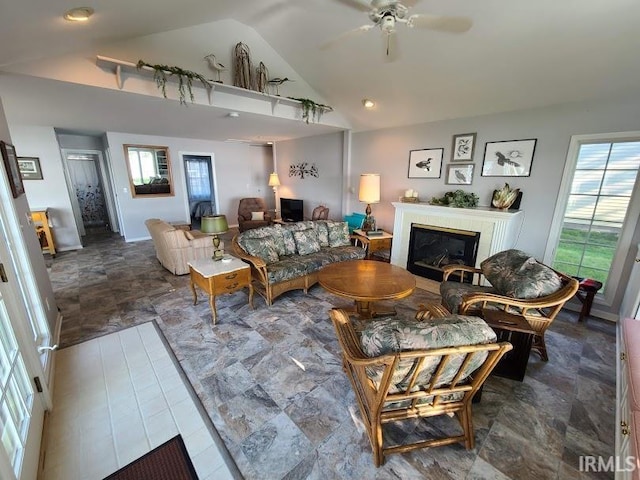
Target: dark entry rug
(169,461)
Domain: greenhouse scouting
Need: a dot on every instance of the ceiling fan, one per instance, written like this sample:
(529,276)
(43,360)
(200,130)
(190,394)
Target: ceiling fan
(388,14)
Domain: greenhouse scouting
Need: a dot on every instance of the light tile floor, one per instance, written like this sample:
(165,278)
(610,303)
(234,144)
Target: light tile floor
(118,397)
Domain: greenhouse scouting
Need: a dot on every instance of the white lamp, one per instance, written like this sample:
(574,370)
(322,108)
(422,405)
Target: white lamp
(274,181)
(369,193)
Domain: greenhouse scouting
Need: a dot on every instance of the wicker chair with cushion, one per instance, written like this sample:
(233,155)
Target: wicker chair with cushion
(406,368)
(253,213)
(512,281)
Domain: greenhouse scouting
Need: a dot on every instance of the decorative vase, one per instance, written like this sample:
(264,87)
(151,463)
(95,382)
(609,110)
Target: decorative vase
(504,197)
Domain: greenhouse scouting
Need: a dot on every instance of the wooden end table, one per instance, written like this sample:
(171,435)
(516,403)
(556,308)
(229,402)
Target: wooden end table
(375,243)
(366,282)
(217,277)
(516,330)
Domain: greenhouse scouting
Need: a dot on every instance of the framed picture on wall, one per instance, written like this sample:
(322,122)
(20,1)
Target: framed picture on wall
(510,158)
(460,174)
(463,147)
(30,168)
(426,163)
(11,166)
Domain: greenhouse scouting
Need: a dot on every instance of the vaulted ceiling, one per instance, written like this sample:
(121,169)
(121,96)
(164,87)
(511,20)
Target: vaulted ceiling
(516,55)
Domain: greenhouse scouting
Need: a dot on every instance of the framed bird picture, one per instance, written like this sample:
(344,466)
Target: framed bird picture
(460,174)
(511,158)
(463,147)
(426,163)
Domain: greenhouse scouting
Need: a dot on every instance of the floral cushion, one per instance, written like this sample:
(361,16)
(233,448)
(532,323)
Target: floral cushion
(265,248)
(276,233)
(339,234)
(306,241)
(397,334)
(322,229)
(515,274)
(287,268)
(452,293)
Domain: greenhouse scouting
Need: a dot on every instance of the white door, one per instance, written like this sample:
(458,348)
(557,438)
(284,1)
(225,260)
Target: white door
(21,407)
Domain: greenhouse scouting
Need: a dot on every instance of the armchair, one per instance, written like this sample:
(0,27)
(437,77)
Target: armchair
(517,283)
(408,371)
(248,210)
(320,213)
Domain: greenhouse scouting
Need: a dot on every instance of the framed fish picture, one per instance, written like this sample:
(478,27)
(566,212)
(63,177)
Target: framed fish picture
(426,163)
(510,158)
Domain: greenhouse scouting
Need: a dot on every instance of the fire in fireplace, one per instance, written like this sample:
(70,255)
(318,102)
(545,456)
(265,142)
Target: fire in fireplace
(431,248)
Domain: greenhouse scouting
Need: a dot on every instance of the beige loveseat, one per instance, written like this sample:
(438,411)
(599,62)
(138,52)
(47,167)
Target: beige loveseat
(175,247)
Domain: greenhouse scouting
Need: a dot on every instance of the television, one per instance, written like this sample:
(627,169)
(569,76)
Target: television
(291,210)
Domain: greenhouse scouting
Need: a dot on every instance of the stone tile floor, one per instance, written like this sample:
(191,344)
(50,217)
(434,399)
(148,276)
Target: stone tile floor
(279,421)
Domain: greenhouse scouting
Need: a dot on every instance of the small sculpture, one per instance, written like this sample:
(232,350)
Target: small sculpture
(505,197)
(276,82)
(215,65)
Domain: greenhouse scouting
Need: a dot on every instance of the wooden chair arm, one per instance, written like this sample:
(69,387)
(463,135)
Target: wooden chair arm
(556,298)
(460,269)
(257,262)
(431,310)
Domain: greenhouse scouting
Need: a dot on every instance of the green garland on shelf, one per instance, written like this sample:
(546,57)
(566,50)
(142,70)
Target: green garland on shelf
(185,79)
(312,110)
(459,198)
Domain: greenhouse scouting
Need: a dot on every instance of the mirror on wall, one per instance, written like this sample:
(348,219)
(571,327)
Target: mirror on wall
(149,169)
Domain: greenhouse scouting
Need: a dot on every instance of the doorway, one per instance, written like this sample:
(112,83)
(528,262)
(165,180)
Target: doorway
(89,193)
(201,186)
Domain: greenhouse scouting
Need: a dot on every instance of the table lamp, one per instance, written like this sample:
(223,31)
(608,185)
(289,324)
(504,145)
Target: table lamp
(274,181)
(215,225)
(369,193)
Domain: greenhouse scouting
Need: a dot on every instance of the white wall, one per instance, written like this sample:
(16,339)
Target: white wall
(326,152)
(387,152)
(241,171)
(51,191)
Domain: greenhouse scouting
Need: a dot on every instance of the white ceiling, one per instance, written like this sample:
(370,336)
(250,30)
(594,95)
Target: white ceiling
(517,54)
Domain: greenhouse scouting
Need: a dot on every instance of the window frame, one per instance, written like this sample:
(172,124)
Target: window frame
(610,292)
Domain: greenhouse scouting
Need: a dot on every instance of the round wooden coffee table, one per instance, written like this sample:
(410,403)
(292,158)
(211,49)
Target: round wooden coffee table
(366,282)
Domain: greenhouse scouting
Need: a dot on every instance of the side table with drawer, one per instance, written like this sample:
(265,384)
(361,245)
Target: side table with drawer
(217,277)
(378,245)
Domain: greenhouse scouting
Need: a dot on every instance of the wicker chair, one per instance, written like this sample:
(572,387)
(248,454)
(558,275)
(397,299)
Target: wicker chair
(471,298)
(448,389)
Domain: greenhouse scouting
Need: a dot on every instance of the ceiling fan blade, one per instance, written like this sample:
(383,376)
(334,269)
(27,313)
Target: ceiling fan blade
(440,23)
(345,35)
(391,50)
(362,5)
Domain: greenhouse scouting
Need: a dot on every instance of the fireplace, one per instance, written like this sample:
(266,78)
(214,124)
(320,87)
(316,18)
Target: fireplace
(432,247)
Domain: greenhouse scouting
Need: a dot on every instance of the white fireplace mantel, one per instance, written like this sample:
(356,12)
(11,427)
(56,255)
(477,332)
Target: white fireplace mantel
(499,229)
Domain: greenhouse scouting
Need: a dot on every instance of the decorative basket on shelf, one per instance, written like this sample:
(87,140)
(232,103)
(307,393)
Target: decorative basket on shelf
(409,200)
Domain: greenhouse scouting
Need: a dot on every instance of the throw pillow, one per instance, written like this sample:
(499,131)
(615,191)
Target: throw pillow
(339,234)
(306,241)
(322,230)
(257,215)
(264,248)
(391,335)
(516,274)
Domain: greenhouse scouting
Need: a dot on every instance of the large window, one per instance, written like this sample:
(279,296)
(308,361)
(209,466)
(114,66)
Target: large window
(598,202)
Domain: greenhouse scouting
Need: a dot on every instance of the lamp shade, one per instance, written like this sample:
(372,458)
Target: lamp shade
(274,181)
(214,224)
(369,191)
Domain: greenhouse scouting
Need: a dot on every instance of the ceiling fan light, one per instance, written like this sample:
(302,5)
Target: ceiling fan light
(78,14)
(388,24)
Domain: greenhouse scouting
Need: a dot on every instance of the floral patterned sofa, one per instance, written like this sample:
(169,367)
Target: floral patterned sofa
(288,257)
(513,281)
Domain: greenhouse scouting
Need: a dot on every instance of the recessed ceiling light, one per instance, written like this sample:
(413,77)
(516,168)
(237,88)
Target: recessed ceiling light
(234,114)
(368,103)
(79,14)
(269,143)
